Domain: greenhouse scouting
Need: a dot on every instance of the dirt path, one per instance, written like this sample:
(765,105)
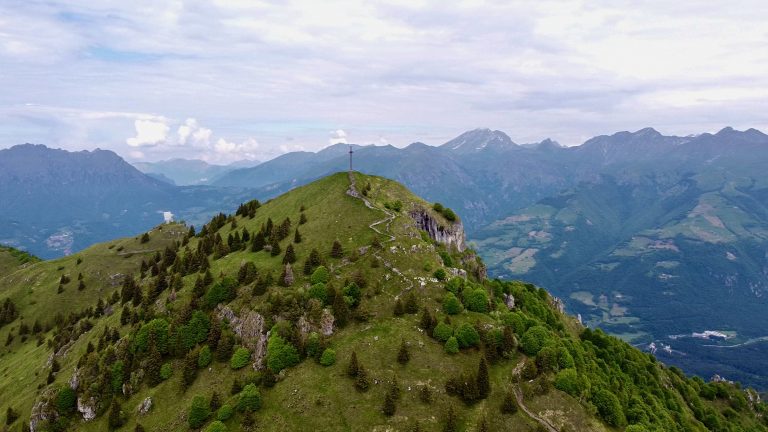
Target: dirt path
(387,220)
(521,403)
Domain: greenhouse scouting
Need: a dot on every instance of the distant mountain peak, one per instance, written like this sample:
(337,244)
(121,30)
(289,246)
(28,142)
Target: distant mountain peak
(479,139)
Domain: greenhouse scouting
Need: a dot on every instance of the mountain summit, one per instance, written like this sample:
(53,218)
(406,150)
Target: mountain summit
(478,140)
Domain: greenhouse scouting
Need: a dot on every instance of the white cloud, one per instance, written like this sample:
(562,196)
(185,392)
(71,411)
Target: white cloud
(407,70)
(135,154)
(191,133)
(338,137)
(148,133)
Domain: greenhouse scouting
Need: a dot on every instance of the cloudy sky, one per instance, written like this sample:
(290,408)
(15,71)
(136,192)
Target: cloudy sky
(227,80)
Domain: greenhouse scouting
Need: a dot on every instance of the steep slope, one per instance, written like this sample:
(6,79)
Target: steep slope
(334,307)
(657,257)
(55,202)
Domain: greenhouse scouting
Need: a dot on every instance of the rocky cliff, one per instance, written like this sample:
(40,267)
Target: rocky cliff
(439,230)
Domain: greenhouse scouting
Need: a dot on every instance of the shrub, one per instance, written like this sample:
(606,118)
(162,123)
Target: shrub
(567,380)
(440,274)
(166,370)
(280,354)
(216,426)
(66,401)
(328,358)
(609,407)
(451,304)
(467,336)
(534,339)
(204,357)
(198,412)
(320,275)
(452,345)
(318,291)
(240,358)
(221,292)
(250,399)
(159,329)
(225,412)
(476,300)
(442,332)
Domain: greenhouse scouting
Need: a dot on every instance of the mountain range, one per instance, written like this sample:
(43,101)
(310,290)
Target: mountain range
(189,172)
(658,239)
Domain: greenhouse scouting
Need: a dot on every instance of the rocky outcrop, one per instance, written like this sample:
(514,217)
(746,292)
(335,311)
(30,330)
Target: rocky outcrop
(44,411)
(250,327)
(449,234)
(87,407)
(145,406)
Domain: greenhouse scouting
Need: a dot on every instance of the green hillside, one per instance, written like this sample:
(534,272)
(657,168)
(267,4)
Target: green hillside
(253,324)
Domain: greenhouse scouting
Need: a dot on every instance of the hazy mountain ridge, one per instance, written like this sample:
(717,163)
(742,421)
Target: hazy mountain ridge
(54,201)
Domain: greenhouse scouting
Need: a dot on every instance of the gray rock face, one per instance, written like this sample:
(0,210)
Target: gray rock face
(43,410)
(250,327)
(326,322)
(145,406)
(509,300)
(451,235)
(87,408)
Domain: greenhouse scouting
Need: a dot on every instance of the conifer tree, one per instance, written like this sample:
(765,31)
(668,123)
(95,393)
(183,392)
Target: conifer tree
(362,383)
(275,247)
(336,250)
(399,309)
(81,286)
(302,218)
(411,303)
(297,236)
(307,267)
(258,242)
(115,415)
(450,424)
(154,363)
(340,310)
(189,371)
(290,255)
(403,356)
(509,404)
(390,402)
(483,380)
(353,365)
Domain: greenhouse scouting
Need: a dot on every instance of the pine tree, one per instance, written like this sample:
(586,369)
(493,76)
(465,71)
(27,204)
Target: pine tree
(411,303)
(275,247)
(144,238)
(362,383)
(154,363)
(340,310)
(483,380)
(399,309)
(403,356)
(290,255)
(297,236)
(189,372)
(390,400)
(268,228)
(208,278)
(336,250)
(115,415)
(302,218)
(353,366)
(81,286)
(509,404)
(258,242)
(450,422)
(128,290)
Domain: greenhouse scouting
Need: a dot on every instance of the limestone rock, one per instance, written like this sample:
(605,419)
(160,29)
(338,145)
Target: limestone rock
(451,235)
(145,406)
(87,408)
